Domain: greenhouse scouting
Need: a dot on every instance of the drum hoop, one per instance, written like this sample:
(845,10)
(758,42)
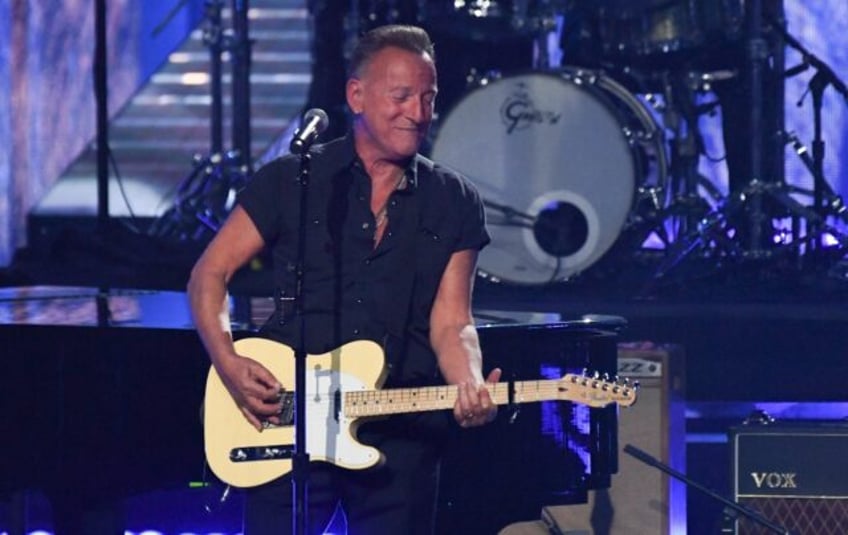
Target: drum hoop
(650,131)
(596,82)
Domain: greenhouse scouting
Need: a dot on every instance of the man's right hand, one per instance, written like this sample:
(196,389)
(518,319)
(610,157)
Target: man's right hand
(255,390)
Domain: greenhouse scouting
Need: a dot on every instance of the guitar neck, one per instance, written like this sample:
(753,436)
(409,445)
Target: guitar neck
(433,398)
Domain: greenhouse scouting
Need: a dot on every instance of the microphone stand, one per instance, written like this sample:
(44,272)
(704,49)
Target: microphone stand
(734,507)
(300,458)
(823,194)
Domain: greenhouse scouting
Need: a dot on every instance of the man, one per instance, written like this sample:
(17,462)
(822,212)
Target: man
(391,248)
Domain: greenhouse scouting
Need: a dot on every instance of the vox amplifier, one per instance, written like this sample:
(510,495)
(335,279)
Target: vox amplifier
(795,474)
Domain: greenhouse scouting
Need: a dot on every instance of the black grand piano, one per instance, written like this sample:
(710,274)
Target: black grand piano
(100,393)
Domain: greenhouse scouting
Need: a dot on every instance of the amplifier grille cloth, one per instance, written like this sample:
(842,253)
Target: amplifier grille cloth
(802,516)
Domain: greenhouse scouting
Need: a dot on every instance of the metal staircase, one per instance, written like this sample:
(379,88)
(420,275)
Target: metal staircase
(155,138)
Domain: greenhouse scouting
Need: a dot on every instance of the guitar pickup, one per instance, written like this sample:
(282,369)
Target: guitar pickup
(263,453)
(287,408)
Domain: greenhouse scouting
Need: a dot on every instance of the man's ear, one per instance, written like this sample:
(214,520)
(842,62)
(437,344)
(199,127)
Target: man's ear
(353,91)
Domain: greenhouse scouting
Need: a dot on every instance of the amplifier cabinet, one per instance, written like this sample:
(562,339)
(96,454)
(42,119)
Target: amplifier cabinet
(794,473)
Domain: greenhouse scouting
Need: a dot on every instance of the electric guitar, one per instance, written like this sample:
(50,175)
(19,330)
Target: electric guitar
(342,389)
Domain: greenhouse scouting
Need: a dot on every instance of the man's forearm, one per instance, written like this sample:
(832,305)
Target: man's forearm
(210,310)
(458,351)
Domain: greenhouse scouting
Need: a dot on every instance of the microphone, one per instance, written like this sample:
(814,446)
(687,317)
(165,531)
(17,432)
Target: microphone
(314,122)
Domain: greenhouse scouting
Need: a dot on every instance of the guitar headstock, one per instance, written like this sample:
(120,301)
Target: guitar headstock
(597,391)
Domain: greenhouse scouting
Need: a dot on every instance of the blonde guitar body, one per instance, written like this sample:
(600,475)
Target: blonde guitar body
(342,388)
(330,437)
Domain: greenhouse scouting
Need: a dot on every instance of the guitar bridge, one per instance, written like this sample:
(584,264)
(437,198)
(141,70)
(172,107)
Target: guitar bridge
(264,453)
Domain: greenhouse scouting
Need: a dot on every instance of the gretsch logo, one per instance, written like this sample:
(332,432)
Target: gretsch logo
(774,480)
(519,111)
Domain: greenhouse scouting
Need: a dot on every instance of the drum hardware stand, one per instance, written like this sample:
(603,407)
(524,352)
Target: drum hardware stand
(206,195)
(543,25)
(714,229)
(681,113)
(753,195)
(721,226)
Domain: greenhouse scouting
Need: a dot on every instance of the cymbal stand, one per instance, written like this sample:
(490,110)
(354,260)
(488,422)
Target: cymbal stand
(757,52)
(205,197)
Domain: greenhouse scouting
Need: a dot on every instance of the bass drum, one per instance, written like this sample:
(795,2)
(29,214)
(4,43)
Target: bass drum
(560,160)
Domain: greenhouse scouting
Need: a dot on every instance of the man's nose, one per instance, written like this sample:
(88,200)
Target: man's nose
(419,111)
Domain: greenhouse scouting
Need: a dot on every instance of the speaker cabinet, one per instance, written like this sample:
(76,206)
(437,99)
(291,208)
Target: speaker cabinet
(795,474)
(642,500)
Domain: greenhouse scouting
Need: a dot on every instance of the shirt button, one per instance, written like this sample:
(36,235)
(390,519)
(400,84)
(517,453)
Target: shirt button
(358,300)
(316,222)
(367,261)
(356,331)
(365,225)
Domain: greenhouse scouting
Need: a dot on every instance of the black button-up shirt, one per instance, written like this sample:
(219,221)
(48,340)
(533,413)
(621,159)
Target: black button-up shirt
(353,290)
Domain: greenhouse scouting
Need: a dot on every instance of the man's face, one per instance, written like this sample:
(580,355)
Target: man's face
(393,98)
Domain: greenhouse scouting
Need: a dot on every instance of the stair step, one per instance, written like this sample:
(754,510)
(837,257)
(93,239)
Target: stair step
(155,138)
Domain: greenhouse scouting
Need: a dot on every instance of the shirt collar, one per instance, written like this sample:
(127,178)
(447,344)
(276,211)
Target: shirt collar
(347,159)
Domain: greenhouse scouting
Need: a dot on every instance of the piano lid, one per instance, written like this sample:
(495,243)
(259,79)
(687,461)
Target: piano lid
(86,306)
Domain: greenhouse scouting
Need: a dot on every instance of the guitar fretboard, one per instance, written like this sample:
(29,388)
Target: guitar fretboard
(433,398)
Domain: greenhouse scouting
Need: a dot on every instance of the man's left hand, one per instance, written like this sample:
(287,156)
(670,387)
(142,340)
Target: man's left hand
(474,406)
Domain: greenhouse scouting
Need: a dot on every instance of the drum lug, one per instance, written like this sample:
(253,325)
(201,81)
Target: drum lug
(583,77)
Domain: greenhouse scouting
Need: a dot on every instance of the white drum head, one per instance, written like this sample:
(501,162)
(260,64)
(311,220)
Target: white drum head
(553,165)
